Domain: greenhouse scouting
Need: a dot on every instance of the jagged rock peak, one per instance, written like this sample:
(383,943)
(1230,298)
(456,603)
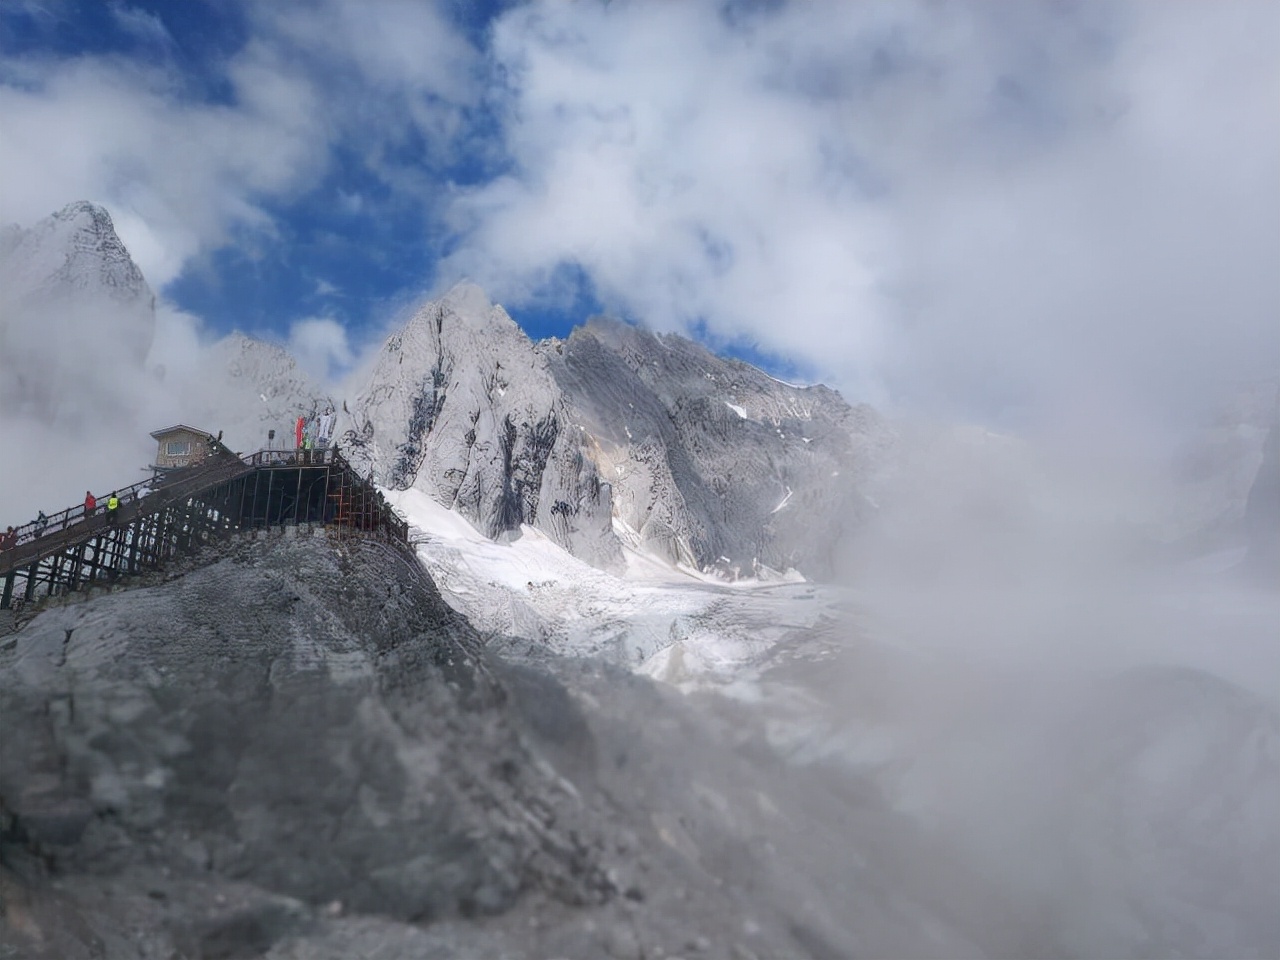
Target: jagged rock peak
(469,300)
(65,280)
(462,406)
(712,462)
(613,434)
(76,249)
(464,308)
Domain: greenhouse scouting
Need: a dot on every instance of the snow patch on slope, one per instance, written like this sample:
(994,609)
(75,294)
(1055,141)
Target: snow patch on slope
(675,624)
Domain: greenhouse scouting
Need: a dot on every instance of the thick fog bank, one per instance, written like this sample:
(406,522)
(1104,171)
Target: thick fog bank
(1083,713)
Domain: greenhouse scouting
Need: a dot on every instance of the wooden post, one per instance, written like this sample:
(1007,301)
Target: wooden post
(244,488)
(134,530)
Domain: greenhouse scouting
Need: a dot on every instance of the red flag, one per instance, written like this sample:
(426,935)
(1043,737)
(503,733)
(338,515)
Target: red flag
(301,421)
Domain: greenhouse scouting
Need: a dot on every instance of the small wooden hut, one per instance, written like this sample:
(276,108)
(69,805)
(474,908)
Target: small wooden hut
(181,446)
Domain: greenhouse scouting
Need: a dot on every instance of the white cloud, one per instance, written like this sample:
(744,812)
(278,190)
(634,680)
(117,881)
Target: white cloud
(183,176)
(320,346)
(177,177)
(996,210)
(397,77)
(145,26)
(958,206)
(654,153)
(395,44)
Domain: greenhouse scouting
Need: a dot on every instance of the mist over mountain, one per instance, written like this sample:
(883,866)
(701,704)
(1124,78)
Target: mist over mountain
(77,319)
(1262,511)
(612,436)
(684,660)
(90,365)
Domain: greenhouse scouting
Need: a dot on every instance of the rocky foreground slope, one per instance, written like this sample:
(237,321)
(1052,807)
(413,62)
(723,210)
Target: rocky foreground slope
(298,750)
(294,749)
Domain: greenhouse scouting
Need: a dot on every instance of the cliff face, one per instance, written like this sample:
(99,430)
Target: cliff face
(713,462)
(614,433)
(460,405)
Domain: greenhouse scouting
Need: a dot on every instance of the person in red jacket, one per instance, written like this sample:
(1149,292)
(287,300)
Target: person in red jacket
(90,503)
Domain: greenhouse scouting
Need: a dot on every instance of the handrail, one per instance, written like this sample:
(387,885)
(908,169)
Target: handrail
(204,473)
(134,492)
(68,517)
(159,493)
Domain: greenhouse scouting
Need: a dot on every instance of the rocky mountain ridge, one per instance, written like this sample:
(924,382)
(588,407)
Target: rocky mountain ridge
(612,436)
(74,251)
(713,463)
(614,433)
(460,405)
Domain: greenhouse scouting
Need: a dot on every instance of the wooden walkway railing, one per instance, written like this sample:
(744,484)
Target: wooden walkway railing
(161,519)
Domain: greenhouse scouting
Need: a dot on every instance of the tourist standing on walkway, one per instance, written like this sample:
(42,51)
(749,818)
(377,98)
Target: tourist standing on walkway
(113,508)
(42,524)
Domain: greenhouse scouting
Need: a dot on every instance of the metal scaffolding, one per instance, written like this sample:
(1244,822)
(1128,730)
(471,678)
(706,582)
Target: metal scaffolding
(163,519)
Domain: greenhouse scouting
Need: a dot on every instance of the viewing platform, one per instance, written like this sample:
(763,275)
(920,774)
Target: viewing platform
(180,510)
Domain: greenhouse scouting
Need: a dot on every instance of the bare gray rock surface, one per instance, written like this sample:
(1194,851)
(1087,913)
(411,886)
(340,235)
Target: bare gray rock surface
(713,462)
(299,750)
(294,749)
(310,721)
(698,459)
(460,405)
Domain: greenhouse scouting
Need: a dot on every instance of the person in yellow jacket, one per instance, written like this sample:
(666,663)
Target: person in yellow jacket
(113,508)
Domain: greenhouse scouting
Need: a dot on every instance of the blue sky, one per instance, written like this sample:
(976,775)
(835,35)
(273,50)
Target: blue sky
(989,210)
(343,243)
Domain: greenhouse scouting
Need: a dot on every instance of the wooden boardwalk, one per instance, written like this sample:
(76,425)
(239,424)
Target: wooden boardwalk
(160,520)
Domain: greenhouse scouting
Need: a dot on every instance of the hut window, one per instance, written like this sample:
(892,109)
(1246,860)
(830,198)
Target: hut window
(177,448)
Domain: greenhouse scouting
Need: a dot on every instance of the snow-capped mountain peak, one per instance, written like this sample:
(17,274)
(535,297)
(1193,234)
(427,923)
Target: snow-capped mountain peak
(460,405)
(66,282)
(73,252)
